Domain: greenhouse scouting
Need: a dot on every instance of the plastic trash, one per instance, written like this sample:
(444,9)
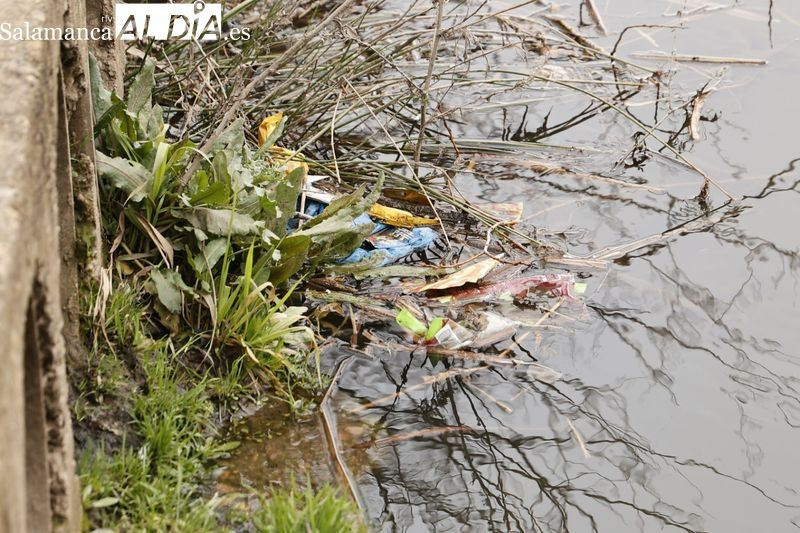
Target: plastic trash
(558,284)
(454,336)
(389,245)
(386,245)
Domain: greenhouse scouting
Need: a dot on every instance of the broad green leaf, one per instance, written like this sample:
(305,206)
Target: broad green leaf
(219,166)
(108,501)
(125,174)
(101,97)
(285,197)
(335,233)
(169,287)
(294,250)
(215,194)
(141,90)
(148,118)
(230,140)
(434,327)
(214,250)
(151,122)
(349,206)
(221,222)
(336,238)
(180,155)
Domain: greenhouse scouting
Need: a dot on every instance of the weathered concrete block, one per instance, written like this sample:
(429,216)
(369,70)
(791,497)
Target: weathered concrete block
(39,490)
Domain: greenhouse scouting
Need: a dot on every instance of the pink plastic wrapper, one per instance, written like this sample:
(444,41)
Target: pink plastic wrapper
(558,284)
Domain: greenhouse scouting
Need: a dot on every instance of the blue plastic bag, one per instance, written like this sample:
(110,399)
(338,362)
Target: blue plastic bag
(392,244)
(385,245)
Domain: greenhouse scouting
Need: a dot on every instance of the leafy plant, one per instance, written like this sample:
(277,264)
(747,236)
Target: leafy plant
(408,321)
(214,244)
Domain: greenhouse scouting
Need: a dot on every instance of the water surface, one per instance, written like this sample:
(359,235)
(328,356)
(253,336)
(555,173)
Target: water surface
(679,405)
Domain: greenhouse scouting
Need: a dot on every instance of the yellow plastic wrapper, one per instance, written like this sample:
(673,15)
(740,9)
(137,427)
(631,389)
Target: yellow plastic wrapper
(398,217)
(267,127)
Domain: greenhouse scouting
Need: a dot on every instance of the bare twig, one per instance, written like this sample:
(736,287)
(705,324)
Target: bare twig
(429,432)
(637,26)
(426,382)
(403,157)
(646,130)
(579,438)
(502,405)
(234,108)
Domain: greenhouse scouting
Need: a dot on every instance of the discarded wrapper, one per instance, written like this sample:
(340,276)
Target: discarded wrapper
(454,336)
(392,244)
(561,284)
(387,244)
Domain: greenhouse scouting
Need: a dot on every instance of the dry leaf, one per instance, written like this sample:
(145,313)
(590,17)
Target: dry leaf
(697,107)
(163,246)
(406,195)
(471,274)
(508,213)
(290,159)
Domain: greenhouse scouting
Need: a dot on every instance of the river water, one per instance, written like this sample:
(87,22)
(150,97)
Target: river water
(678,408)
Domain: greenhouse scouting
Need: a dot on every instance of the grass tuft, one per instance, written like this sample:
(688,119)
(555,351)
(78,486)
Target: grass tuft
(154,485)
(296,510)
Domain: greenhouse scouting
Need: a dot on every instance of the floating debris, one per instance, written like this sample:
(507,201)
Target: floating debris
(470,274)
(391,245)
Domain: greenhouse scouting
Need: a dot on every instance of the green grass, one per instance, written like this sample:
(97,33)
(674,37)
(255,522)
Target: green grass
(154,485)
(154,475)
(104,377)
(302,510)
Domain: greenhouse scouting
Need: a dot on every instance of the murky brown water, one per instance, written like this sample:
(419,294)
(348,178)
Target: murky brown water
(679,405)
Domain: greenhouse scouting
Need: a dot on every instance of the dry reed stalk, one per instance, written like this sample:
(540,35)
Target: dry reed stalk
(697,107)
(595,15)
(687,58)
(331,437)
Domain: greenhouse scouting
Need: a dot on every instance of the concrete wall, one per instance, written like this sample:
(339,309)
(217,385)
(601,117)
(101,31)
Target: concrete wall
(46,130)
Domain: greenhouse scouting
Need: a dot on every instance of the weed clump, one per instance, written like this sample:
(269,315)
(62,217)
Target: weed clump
(212,246)
(298,511)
